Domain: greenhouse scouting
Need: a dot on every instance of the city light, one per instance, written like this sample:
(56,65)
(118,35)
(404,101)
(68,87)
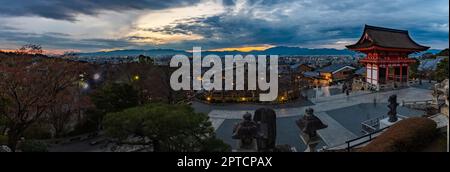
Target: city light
(236,76)
(136,77)
(84,85)
(96,76)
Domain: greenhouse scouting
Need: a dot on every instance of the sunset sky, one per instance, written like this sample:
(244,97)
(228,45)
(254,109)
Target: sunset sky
(245,25)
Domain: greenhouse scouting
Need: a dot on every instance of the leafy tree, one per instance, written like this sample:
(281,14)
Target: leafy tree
(151,82)
(3,140)
(164,127)
(146,59)
(215,145)
(33,146)
(414,69)
(441,72)
(115,97)
(443,52)
(112,97)
(3,120)
(38,130)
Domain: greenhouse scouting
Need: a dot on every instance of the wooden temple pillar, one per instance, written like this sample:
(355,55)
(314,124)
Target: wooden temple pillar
(407,75)
(388,49)
(387,74)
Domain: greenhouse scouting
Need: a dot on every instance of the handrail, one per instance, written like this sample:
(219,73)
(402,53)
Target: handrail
(372,124)
(416,102)
(370,135)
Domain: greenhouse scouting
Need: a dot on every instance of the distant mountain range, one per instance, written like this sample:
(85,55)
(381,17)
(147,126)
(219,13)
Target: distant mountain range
(281,50)
(117,53)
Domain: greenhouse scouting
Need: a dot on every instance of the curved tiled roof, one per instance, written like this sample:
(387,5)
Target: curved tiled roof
(333,68)
(386,38)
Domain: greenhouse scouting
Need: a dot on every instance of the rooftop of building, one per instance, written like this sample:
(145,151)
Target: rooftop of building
(386,38)
(334,68)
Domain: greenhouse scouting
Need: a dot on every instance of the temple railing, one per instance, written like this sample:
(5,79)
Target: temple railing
(370,128)
(421,104)
(372,125)
(350,144)
(413,82)
(363,139)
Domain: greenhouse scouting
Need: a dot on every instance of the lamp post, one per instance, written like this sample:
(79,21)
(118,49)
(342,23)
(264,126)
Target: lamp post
(308,125)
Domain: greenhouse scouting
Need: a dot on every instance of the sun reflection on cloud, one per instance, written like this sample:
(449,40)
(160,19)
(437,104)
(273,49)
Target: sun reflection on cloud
(161,18)
(245,48)
(160,38)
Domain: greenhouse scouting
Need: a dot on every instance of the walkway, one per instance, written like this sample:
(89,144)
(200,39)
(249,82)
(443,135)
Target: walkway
(336,133)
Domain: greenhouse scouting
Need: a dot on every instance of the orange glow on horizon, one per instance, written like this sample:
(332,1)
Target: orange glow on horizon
(45,52)
(245,49)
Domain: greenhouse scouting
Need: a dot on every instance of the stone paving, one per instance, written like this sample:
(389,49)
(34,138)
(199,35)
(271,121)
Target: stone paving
(335,102)
(337,133)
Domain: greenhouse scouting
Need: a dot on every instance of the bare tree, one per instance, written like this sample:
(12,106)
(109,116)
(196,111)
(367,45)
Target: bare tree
(31,88)
(64,111)
(30,49)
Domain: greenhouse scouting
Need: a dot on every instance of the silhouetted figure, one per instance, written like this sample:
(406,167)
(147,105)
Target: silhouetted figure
(392,108)
(266,119)
(246,131)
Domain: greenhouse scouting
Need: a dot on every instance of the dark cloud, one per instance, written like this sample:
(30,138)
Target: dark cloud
(68,9)
(60,41)
(311,23)
(143,38)
(255,22)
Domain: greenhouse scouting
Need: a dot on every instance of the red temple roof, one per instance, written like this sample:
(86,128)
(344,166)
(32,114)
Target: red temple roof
(386,38)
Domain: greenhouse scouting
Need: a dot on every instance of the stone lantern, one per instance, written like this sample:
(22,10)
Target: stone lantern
(308,125)
(246,132)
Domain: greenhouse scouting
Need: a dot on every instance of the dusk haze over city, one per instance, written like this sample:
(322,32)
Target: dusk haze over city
(225,84)
(242,25)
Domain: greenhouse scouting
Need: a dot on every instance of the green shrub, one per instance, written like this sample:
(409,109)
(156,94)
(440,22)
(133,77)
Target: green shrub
(38,131)
(3,140)
(215,145)
(90,124)
(169,128)
(408,135)
(33,146)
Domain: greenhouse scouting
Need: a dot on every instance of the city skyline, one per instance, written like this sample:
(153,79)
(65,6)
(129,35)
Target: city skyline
(219,25)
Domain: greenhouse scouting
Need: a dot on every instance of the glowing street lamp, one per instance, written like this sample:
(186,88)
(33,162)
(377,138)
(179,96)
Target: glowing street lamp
(136,77)
(96,76)
(84,85)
